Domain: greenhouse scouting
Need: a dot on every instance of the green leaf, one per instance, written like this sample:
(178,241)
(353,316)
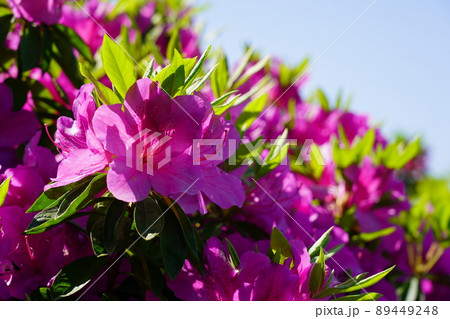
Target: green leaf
(118,66)
(173,44)
(261,87)
(250,113)
(106,95)
(320,243)
(223,98)
(30,47)
(354,154)
(279,243)
(197,68)
(4,190)
(354,284)
(219,77)
(235,261)
(364,237)
(149,70)
(198,83)
(48,197)
(220,109)
(317,274)
(251,71)
(67,205)
(397,154)
(323,100)
(62,53)
(172,245)
(370,296)
(285,76)
(369,281)
(75,276)
(47,46)
(171,78)
(148,218)
(246,154)
(5,26)
(97,237)
(112,219)
(240,68)
(75,40)
(19,91)
(155,52)
(190,235)
(329,253)
(277,153)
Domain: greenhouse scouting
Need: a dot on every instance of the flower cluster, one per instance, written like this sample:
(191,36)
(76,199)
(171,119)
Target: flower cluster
(188,179)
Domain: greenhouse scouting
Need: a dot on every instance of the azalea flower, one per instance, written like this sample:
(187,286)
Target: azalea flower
(214,185)
(317,124)
(150,129)
(82,152)
(369,184)
(263,201)
(30,261)
(159,133)
(16,127)
(43,11)
(91,22)
(256,278)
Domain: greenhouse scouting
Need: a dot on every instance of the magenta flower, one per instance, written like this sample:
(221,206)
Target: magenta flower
(369,184)
(39,165)
(188,40)
(44,11)
(30,261)
(91,23)
(63,81)
(144,16)
(15,127)
(256,278)
(151,130)
(264,209)
(214,185)
(315,123)
(83,153)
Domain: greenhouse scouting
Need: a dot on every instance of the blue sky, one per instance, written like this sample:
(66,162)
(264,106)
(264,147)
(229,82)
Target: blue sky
(395,61)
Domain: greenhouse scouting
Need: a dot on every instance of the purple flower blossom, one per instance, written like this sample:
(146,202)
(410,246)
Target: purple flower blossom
(315,123)
(147,111)
(91,23)
(264,209)
(44,11)
(30,261)
(188,40)
(369,184)
(256,278)
(15,127)
(82,151)
(216,185)
(158,132)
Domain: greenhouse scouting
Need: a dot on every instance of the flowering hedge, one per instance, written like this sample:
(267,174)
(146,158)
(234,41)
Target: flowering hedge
(134,166)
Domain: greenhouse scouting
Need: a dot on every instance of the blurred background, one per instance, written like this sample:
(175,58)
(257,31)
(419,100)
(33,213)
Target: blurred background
(395,61)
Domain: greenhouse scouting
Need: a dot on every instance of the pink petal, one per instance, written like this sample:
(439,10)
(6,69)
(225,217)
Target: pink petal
(127,184)
(113,129)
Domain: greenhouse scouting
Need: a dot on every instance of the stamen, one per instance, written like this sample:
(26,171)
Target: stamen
(58,147)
